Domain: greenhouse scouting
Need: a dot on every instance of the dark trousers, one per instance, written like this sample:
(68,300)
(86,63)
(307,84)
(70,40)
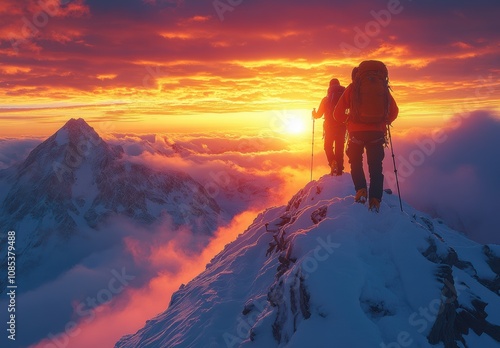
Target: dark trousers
(373,142)
(334,143)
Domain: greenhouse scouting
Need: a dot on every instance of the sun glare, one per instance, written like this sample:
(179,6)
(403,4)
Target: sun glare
(295,124)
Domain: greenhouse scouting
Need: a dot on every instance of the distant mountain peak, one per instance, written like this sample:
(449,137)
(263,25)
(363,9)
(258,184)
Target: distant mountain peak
(73,144)
(75,182)
(75,131)
(76,123)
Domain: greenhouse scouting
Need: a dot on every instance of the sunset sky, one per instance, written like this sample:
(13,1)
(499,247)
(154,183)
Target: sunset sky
(186,85)
(191,65)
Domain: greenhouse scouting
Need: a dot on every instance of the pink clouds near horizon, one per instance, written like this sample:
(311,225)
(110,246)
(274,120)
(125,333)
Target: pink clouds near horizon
(129,309)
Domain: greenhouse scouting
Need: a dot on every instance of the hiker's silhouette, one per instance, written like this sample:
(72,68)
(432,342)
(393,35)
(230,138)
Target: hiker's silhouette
(333,131)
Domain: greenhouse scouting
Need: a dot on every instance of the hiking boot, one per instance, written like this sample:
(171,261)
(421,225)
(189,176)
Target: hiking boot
(361,196)
(333,168)
(374,204)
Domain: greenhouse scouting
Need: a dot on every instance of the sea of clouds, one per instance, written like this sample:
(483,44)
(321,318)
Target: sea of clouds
(450,173)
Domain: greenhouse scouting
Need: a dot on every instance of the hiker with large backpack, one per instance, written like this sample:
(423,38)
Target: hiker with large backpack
(368,108)
(333,131)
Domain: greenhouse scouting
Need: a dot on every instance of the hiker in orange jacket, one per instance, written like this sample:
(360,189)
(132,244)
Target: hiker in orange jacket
(333,131)
(369,136)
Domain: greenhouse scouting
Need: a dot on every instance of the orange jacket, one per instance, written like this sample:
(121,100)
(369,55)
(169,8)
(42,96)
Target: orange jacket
(345,103)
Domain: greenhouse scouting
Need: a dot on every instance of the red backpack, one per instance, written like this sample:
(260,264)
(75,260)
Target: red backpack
(370,93)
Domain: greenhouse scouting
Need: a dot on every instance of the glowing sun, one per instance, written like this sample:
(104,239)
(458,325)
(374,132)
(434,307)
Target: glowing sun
(295,124)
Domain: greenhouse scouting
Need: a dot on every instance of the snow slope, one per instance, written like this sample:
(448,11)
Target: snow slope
(323,271)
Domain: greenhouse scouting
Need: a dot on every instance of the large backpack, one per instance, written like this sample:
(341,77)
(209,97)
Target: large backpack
(333,98)
(370,93)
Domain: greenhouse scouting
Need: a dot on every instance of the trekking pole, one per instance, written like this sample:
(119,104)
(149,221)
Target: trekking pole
(395,169)
(312,149)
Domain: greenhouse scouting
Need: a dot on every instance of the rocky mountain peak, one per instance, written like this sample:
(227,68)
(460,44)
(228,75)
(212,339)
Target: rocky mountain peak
(74,182)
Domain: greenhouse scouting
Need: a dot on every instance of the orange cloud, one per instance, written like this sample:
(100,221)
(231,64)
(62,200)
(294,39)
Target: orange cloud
(171,59)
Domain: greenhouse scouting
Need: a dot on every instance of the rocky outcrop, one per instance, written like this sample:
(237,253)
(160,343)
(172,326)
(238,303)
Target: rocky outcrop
(456,318)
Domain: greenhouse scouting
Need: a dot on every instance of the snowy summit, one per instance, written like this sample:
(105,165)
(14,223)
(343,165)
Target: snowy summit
(72,184)
(324,271)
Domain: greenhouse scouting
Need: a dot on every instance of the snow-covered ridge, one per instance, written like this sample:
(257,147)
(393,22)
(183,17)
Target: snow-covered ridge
(323,271)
